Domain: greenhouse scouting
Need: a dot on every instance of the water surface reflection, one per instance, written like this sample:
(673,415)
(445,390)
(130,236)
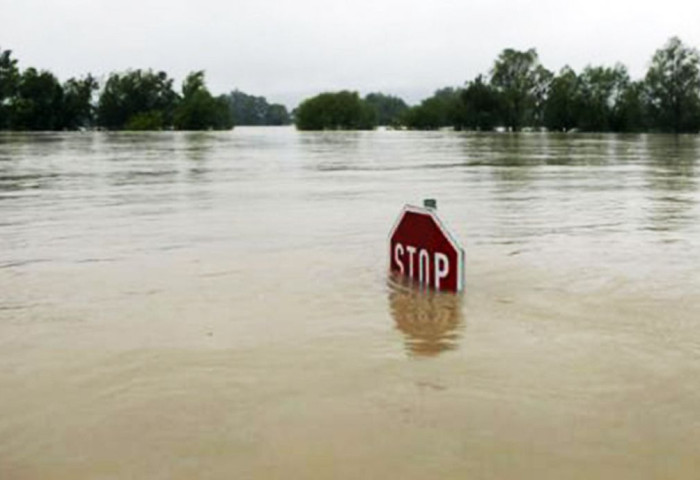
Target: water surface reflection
(672,182)
(430,321)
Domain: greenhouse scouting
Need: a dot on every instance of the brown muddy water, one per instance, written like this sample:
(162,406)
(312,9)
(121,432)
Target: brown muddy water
(216,306)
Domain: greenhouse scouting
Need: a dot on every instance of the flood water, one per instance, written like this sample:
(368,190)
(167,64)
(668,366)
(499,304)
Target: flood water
(216,305)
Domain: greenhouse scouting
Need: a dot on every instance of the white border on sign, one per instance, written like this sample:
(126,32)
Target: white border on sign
(453,241)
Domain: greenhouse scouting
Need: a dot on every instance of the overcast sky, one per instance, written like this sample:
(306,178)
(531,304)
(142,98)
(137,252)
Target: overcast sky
(287,50)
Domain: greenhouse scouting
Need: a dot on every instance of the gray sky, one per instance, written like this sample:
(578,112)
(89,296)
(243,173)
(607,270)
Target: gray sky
(287,50)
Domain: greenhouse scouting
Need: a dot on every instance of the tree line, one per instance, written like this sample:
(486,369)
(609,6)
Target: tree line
(519,92)
(252,110)
(345,110)
(133,100)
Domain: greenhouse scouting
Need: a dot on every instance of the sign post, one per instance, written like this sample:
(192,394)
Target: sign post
(423,250)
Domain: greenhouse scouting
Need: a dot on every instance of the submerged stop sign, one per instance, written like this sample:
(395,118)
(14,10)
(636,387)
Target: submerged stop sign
(421,248)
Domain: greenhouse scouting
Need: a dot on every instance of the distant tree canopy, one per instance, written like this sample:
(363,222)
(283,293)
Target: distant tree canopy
(9,80)
(335,111)
(133,100)
(198,110)
(478,106)
(518,92)
(145,100)
(78,109)
(562,107)
(137,100)
(521,93)
(387,108)
(251,110)
(434,112)
(36,100)
(521,83)
(673,86)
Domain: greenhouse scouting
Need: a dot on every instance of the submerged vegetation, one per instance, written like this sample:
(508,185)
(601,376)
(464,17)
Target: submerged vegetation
(517,93)
(131,100)
(336,111)
(251,110)
(345,110)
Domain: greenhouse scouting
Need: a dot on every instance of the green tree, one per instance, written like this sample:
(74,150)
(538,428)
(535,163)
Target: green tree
(479,106)
(440,110)
(137,92)
(342,110)
(388,109)
(521,82)
(673,83)
(601,91)
(78,109)
(38,104)
(631,111)
(146,121)
(9,81)
(198,110)
(247,109)
(562,107)
(277,114)
(251,110)
(543,81)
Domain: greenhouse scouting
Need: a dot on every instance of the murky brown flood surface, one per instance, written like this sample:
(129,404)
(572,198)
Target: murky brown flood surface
(216,305)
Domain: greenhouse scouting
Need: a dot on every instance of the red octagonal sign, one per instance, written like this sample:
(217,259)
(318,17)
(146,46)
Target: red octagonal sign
(421,248)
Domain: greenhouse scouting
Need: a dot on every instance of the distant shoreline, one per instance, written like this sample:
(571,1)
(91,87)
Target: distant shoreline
(518,93)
